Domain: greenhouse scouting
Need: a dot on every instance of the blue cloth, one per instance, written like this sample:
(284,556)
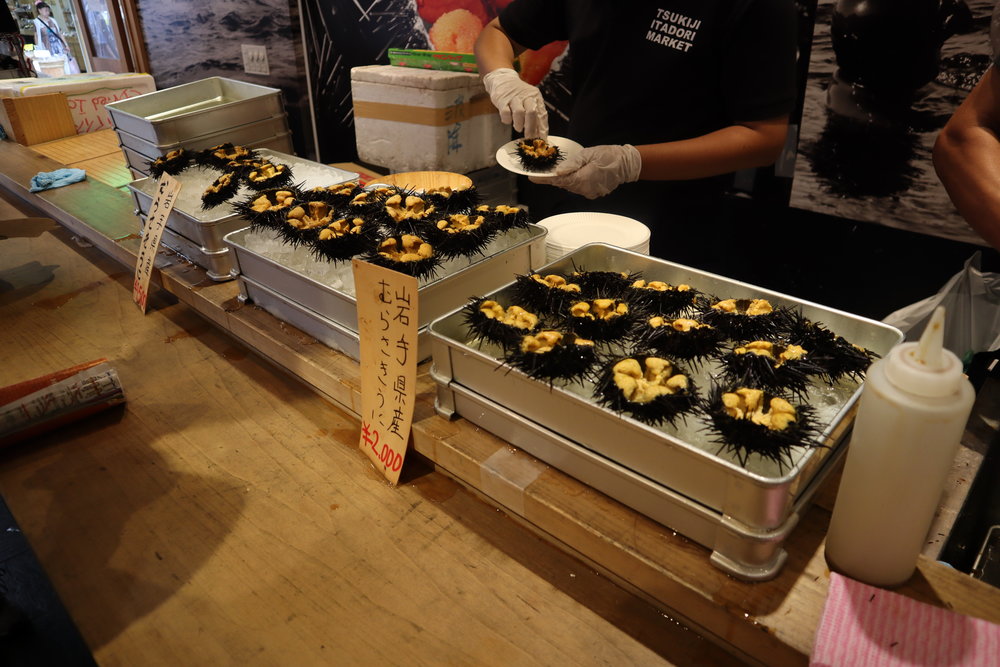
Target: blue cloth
(45,180)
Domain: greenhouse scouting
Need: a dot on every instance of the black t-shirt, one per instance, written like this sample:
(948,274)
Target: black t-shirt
(648,72)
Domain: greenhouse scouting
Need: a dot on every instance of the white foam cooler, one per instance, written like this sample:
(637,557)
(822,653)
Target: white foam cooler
(409,119)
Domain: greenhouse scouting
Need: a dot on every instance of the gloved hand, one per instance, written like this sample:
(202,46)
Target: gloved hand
(596,171)
(519,103)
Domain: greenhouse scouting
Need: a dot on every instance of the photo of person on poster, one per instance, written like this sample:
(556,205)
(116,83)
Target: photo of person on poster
(667,99)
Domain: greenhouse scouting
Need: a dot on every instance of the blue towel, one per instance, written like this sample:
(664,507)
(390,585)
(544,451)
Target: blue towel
(45,180)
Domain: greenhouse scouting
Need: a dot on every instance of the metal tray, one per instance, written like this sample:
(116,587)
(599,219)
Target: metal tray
(194,109)
(752,555)
(515,252)
(139,162)
(251,135)
(682,459)
(325,331)
(218,264)
(208,228)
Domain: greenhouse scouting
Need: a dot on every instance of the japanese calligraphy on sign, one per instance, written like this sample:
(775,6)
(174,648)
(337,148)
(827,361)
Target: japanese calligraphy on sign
(156,219)
(387,326)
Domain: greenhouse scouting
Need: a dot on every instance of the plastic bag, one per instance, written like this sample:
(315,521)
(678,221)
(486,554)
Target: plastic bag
(971,300)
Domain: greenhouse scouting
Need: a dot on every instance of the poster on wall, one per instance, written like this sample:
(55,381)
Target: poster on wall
(342,34)
(188,42)
(884,78)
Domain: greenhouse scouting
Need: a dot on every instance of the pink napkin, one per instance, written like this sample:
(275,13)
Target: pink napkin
(863,625)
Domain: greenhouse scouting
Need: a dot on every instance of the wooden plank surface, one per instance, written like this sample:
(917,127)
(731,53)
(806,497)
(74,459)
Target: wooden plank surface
(97,153)
(771,623)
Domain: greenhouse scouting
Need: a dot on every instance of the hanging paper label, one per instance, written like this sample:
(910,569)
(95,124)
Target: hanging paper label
(387,326)
(156,219)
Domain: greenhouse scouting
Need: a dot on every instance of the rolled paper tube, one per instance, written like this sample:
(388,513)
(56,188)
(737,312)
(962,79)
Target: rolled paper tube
(36,406)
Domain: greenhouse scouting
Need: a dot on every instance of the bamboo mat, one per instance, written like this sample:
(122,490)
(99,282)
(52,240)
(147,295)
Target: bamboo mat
(97,153)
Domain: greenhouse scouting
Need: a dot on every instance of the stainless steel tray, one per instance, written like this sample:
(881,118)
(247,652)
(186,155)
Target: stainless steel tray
(251,135)
(208,228)
(681,458)
(218,264)
(284,270)
(138,162)
(752,555)
(194,109)
(325,331)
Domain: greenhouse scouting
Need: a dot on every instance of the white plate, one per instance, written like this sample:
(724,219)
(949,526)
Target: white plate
(569,231)
(507,156)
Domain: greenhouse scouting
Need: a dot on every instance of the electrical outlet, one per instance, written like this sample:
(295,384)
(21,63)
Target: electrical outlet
(255,59)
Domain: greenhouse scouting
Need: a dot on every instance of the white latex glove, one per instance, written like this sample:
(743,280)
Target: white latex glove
(519,103)
(596,171)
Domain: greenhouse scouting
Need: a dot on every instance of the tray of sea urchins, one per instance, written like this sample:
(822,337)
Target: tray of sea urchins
(714,406)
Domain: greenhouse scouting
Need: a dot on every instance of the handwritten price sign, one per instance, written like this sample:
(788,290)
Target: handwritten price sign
(387,325)
(166,196)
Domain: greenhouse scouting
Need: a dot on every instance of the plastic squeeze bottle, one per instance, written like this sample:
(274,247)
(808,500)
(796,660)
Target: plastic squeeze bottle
(911,416)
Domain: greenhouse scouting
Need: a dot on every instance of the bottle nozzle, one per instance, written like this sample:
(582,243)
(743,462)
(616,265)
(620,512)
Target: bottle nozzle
(932,342)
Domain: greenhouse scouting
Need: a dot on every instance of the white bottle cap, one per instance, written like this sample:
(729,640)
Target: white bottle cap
(925,368)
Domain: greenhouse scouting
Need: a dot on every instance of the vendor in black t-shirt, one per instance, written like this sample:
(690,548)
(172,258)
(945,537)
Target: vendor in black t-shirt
(669,98)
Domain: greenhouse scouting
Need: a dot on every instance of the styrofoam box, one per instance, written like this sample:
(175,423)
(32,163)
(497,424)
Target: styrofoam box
(424,120)
(86,94)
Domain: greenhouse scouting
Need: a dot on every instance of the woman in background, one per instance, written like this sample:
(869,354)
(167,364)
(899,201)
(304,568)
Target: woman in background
(49,37)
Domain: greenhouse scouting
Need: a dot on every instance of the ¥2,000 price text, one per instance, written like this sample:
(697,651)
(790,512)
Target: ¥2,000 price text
(390,458)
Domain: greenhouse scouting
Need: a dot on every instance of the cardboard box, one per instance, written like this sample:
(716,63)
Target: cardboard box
(409,119)
(33,120)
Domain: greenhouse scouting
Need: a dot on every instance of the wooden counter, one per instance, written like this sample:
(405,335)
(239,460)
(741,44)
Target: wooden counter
(227,515)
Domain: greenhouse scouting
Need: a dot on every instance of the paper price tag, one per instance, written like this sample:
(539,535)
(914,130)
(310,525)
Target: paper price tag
(166,196)
(387,326)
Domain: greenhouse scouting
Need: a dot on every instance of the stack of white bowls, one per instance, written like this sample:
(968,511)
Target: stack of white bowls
(569,231)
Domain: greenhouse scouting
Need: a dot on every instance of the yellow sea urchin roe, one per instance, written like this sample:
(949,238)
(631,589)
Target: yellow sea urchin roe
(768,349)
(460,222)
(319,214)
(537,148)
(412,208)
(541,342)
(514,316)
(506,210)
(685,324)
(276,201)
(599,309)
(492,310)
(556,282)
(226,153)
(656,322)
(221,182)
(746,403)
(520,318)
(341,227)
(343,188)
(642,385)
(752,307)
(266,171)
(410,248)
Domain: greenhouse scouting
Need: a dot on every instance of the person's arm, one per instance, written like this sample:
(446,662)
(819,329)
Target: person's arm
(598,170)
(520,104)
(740,146)
(495,49)
(967,158)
